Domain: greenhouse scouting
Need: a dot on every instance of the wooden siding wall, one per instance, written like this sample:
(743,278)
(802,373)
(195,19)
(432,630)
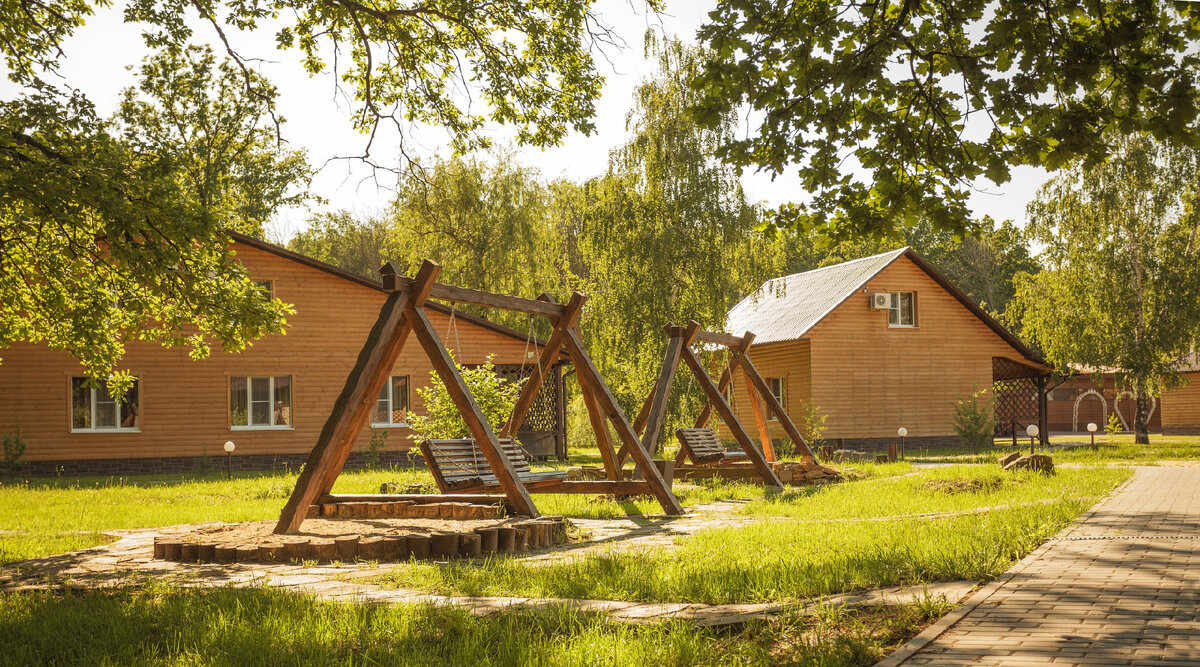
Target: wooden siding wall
(1180,408)
(871,379)
(788,360)
(185,404)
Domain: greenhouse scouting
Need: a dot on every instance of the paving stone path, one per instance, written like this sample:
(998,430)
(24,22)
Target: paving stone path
(128,560)
(1119,587)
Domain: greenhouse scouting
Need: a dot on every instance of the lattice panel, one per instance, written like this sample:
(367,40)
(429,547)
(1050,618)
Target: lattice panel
(543,415)
(1014,395)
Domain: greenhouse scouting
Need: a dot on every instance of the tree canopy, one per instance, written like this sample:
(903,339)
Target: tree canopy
(922,99)
(1121,289)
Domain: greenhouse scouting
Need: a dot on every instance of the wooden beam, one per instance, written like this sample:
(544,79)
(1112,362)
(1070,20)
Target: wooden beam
(725,380)
(597,487)
(418,498)
(764,391)
(720,338)
(662,387)
(474,297)
(477,424)
(731,420)
(760,421)
(599,421)
(545,361)
(585,367)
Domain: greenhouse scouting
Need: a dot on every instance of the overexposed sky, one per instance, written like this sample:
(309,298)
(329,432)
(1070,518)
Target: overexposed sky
(99,55)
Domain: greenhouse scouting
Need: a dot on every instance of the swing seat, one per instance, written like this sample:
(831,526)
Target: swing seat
(459,464)
(703,447)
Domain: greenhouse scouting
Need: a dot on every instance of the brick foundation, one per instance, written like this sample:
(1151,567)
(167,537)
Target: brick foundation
(194,464)
(910,443)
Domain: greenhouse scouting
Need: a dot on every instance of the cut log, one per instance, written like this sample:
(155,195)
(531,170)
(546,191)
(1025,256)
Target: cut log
(395,547)
(329,509)
(295,550)
(270,553)
(469,545)
(247,553)
(419,545)
(488,539)
(188,552)
(206,552)
(160,547)
(444,545)
(346,547)
(506,539)
(371,548)
(225,553)
(520,539)
(171,549)
(323,549)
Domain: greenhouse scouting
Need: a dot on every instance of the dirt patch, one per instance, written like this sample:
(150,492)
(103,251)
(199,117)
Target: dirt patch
(961,485)
(262,531)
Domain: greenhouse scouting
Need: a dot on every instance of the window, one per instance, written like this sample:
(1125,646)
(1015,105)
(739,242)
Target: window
(779,391)
(260,402)
(391,408)
(903,311)
(92,409)
(267,287)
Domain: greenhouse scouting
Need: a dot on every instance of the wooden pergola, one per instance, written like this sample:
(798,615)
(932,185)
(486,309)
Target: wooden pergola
(653,413)
(402,314)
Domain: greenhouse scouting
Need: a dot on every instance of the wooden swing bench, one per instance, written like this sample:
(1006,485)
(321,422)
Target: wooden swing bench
(459,465)
(702,447)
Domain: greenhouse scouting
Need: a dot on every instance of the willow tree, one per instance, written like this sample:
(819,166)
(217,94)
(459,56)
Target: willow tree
(667,233)
(1121,287)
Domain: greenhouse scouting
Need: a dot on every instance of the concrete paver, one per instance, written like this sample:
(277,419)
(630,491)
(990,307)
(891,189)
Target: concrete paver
(1119,587)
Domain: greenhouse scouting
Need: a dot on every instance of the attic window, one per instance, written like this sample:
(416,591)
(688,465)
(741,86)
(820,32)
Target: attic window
(903,311)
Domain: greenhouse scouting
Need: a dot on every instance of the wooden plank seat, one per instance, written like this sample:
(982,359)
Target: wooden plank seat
(459,464)
(703,447)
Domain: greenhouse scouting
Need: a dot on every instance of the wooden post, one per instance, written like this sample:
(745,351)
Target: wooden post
(731,420)
(760,421)
(353,405)
(485,439)
(773,405)
(586,369)
(662,387)
(613,462)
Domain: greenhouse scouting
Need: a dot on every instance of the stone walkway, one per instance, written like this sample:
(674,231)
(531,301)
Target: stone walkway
(1119,587)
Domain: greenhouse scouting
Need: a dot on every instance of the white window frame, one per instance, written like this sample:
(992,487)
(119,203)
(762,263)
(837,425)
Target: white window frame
(92,406)
(390,387)
(781,398)
(249,402)
(267,286)
(894,307)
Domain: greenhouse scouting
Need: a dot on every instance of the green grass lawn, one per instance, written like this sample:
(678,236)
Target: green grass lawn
(162,625)
(795,556)
(1108,449)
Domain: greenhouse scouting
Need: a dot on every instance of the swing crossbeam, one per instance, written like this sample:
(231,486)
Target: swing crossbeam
(402,314)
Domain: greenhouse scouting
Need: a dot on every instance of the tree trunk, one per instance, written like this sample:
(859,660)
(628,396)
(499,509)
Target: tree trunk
(1141,430)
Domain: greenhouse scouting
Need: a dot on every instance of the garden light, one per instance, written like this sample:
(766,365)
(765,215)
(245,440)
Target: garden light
(229,447)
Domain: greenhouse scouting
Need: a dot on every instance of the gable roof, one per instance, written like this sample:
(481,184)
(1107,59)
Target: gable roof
(317,264)
(787,308)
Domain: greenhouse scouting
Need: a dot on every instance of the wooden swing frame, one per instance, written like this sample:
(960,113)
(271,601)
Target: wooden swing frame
(402,314)
(650,419)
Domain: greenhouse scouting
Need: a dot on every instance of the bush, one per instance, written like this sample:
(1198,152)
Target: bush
(811,422)
(14,449)
(371,456)
(494,395)
(1113,425)
(974,420)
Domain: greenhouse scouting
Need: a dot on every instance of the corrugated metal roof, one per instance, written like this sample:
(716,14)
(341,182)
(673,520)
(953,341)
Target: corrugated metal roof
(786,308)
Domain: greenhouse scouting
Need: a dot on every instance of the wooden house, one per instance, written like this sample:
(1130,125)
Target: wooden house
(881,343)
(271,400)
(1095,395)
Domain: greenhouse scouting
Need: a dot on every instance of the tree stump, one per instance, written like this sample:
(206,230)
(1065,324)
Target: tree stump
(171,549)
(395,547)
(371,548)
(189,552)
(520,539)
(323,549)
(225,553)
(270,553)
(247,553)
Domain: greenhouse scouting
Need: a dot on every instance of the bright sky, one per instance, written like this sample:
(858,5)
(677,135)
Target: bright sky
(99,55)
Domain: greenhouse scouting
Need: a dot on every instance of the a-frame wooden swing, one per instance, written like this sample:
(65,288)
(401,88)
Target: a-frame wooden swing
(700,444)
(402,314)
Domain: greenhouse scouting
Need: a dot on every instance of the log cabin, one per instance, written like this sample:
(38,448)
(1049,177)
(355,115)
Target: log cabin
(271,400)
(880,343)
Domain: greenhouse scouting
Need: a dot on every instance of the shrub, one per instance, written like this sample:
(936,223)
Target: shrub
(371,455)
(811,422)
(14,449)
(1113,425)
(974,420)
(494,395)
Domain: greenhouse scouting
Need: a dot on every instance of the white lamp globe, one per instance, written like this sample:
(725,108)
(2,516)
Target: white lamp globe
(229,446)
(901,431)
(1032,430)
(1092,427)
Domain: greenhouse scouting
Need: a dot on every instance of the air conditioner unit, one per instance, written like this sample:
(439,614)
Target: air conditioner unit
(881,301)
